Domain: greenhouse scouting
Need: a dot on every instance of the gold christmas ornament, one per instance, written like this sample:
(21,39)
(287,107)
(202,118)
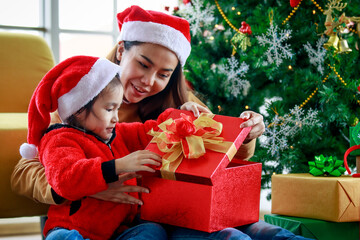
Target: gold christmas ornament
(332,42)
(344,47)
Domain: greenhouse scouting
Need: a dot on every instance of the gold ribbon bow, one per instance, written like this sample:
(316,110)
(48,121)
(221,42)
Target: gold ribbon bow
(183,137)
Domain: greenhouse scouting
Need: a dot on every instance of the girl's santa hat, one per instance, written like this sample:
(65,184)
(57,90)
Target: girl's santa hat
(67,87)
(137,24)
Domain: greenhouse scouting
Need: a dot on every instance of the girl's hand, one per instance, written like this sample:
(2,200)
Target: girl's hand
(117,191)
(137,161)
(254,120)
(195,108)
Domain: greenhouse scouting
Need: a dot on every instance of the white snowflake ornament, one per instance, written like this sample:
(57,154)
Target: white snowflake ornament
(277,49)
(197,14)
(235,76)
(317,56)
(282,129)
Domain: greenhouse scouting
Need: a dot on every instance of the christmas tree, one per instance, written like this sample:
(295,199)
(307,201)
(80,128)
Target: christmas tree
(295,62)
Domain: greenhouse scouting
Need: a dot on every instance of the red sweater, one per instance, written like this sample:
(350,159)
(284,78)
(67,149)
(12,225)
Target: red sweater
(78,164)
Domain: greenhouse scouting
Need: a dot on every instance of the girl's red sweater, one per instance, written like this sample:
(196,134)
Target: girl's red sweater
(78,165)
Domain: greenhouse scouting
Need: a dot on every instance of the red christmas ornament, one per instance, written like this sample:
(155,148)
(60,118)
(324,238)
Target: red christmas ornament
(167,8)
(294,3)
(176,9)
(358,88)
(245,28)
(186,1)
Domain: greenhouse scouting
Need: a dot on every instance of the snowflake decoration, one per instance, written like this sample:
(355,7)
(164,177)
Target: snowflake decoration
(197,15)
(267,102)
(235,75)
(276,137)
(317,56)
(298,118)
(277,50)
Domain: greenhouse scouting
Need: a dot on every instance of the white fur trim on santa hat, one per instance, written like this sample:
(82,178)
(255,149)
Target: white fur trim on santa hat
(90,85)
(28,151)
(159,34)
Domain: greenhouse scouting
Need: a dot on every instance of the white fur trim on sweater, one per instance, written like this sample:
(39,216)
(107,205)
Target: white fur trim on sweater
(159,34)
(90,85)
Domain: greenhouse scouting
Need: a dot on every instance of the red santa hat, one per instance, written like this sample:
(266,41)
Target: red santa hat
(137,24)
(67,87)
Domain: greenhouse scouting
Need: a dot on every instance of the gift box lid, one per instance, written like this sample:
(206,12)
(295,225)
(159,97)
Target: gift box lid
(201,170)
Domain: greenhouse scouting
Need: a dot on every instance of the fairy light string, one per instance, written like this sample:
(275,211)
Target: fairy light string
(314,92)
(225,18)
(292,13)
(323,81)
(353,30)
(297,7)
(317,5)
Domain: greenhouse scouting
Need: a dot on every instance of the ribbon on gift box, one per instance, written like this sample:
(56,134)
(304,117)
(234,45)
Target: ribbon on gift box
(327,166)
(183,137)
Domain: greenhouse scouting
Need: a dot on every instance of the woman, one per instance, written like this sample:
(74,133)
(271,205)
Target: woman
(144,99)
(152,49)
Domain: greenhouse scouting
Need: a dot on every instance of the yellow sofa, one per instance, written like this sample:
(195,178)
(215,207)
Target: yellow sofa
(24,60)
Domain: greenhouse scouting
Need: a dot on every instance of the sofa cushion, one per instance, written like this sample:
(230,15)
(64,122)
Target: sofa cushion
(24,60)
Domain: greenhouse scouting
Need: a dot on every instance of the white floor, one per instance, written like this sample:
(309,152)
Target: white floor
(24,237)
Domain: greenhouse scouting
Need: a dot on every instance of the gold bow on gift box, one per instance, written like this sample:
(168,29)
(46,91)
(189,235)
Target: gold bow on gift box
(183,137)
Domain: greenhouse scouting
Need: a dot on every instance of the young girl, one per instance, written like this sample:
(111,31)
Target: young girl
(89,149)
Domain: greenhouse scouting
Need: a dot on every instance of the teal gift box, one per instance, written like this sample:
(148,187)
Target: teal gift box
(314,228)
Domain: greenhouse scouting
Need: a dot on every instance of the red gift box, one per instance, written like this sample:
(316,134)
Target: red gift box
(210,192)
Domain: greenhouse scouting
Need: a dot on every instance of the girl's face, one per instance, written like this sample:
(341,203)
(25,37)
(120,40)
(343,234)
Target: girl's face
(103,116)
(146,70)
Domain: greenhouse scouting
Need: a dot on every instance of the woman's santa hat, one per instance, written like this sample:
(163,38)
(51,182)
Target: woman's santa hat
(137,24)
(67,87)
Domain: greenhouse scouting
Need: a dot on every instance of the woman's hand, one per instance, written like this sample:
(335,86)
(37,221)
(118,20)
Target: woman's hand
(254,120)
(195,108)
(117,191)
(137,161)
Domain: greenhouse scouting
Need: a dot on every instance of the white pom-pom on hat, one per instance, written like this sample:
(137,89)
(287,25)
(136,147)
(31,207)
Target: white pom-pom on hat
(28,151)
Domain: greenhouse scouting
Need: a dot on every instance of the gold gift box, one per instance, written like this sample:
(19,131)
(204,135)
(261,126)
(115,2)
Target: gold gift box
(334,199)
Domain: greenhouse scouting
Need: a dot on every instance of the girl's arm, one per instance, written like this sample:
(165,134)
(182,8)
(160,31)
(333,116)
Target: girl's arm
(70,172)
(135,135)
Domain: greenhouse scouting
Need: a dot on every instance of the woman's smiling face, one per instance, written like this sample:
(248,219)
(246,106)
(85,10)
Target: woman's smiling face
(146,70)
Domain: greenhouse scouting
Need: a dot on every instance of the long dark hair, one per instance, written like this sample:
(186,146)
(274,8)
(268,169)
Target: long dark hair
(173,96)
